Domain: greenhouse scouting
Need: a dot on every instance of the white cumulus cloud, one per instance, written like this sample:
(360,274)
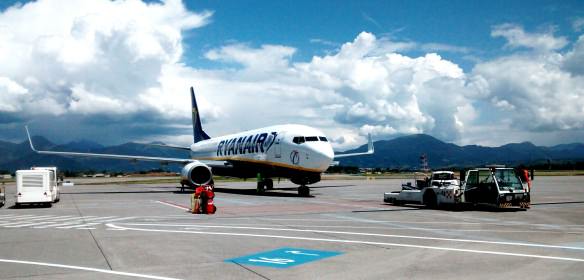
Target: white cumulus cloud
(113,50)
(116,66)
(517,37)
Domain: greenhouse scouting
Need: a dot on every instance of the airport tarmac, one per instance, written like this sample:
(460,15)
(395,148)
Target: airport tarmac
(344,231)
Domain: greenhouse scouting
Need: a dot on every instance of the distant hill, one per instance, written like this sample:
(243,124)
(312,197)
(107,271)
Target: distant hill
(20,156)
(404,153)
(399,153)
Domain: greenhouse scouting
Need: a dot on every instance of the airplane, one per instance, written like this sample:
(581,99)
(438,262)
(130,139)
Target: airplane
(296,152)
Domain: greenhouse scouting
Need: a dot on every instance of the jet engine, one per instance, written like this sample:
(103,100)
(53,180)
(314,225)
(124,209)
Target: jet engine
(196,174)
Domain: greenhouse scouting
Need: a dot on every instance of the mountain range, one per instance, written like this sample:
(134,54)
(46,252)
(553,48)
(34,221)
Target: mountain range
(405,152)
(399,153)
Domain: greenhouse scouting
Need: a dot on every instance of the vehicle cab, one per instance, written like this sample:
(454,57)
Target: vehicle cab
(498,186)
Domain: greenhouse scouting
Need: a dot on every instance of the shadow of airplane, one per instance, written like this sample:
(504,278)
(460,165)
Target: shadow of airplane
(255,193)
(561,202)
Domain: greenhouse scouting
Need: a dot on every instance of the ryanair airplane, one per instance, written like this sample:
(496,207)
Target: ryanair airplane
(298,152)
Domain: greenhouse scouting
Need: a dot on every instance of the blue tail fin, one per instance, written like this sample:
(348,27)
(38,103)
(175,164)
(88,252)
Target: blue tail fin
(198,133)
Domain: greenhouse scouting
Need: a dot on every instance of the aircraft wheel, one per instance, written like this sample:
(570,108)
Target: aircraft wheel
(303,191)
(269,184)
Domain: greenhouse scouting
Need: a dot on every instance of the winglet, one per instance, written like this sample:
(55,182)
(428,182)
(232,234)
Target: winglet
(370,148)
(29,139)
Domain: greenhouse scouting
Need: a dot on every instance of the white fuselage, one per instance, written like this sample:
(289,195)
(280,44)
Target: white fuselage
(295,147)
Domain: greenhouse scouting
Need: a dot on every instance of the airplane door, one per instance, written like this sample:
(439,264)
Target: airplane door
(278,148)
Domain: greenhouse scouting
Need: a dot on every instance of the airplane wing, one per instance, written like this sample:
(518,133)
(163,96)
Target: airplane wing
(110,156)
(370,151)
(168,146)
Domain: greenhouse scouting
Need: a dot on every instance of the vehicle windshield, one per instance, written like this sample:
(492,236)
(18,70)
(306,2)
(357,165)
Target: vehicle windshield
(443,176)
(507,179)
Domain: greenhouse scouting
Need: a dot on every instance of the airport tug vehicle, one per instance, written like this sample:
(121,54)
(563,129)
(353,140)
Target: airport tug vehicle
(441,187)
(495,186)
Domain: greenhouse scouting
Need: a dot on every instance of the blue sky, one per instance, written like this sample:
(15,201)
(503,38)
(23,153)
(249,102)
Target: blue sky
(464,24)
(469,72)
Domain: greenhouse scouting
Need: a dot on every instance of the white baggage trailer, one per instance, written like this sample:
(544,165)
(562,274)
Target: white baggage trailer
(36,186)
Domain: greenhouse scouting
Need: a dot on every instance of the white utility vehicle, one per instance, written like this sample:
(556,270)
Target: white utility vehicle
(496,186)
(441,187)
(38,185)
(2,195)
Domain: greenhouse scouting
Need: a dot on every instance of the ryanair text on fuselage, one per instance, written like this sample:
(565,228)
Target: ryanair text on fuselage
(261,142)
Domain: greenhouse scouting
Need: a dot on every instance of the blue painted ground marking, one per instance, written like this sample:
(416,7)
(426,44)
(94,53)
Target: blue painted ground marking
(284,257)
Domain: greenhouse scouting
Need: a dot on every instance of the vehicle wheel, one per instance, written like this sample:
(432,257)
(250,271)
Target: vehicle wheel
(303,191)
(430,199)
(261,188)
(269,184)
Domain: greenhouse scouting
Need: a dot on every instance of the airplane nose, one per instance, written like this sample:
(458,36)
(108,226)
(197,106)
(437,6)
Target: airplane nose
(326,151)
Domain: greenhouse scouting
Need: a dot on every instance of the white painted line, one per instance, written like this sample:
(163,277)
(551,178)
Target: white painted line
(118,219)
(389,227)
(368,234)
(81,225)
(36,219)
(73,221)
(31,217)
(355,242)
(173,205)
(98,219)
(8,224)
(62,224)
(8,216)
(89,269)
(29,224)
(69,219)
(85,228)
(93,218)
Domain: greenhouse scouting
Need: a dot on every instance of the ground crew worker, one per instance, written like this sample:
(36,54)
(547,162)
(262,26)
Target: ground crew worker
(526,176)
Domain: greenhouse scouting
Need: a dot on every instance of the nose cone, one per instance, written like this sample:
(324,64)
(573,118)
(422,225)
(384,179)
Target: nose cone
(325,154)
(328,152)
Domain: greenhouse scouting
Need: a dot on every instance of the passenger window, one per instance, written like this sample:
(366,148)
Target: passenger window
(323,139)
(298,139)
(311,139)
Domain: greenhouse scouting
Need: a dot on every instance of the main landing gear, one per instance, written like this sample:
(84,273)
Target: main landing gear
(303,191)
(265,184)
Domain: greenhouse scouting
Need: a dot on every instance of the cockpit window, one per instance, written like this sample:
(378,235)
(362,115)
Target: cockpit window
(311,138)
(323,139)
(298,139)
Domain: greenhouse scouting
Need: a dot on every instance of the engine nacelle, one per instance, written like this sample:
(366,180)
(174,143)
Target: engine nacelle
(196,174)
